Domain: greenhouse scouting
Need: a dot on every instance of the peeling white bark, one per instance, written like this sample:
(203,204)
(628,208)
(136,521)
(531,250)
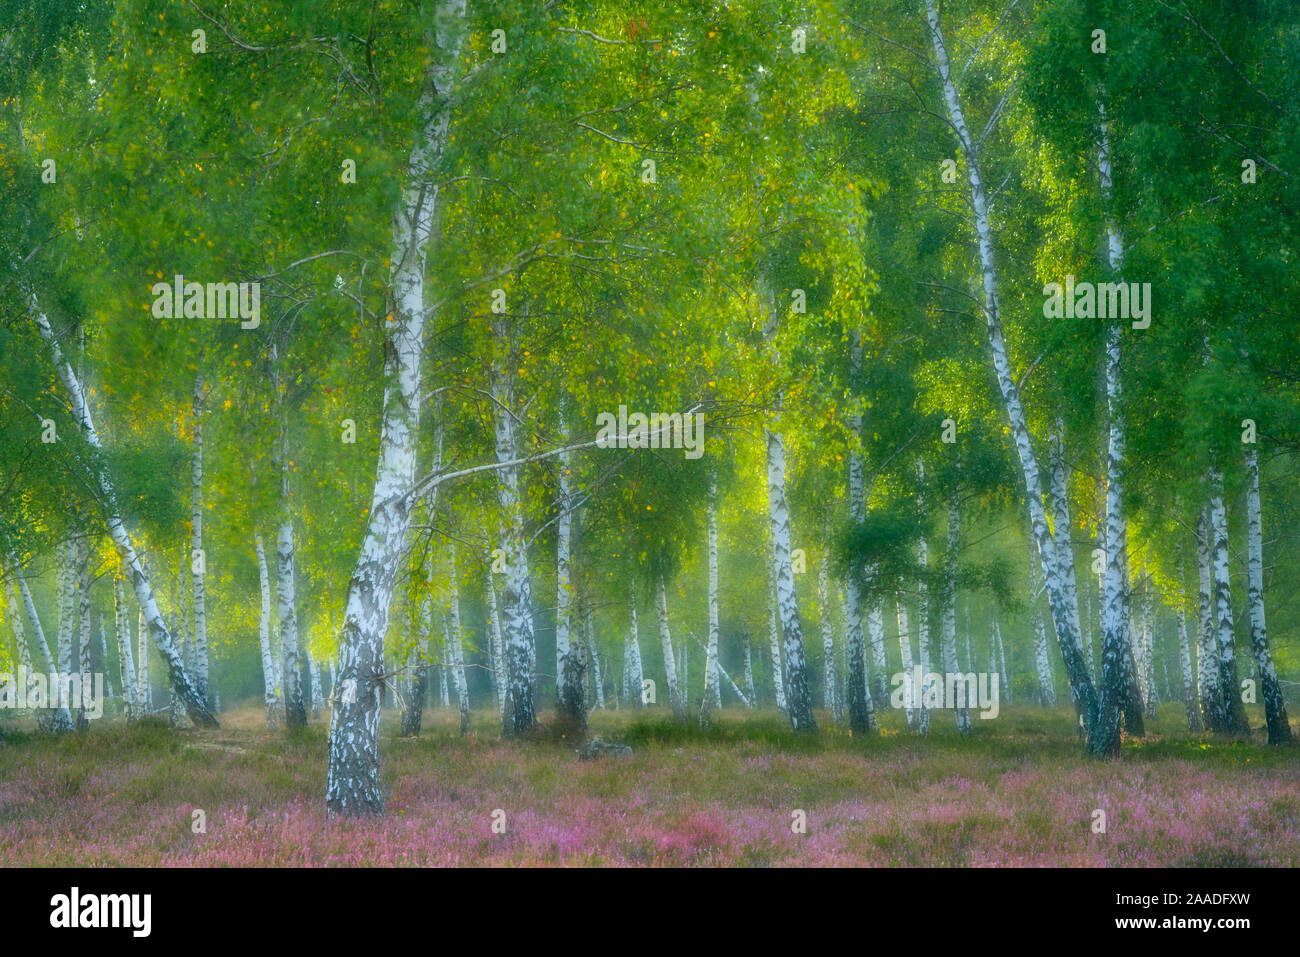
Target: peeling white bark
(353,785)
(666,646)
(1279,729)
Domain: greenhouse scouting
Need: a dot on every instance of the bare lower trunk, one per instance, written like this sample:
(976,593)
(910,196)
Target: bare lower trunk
(1212,699)
(666,646)
(270,674)
(774,639)
(353,785)
(905,647)
(635,674)
(950,614)
(1279,728)
(198,560)
(1223,608)
(454,645)
(711,689)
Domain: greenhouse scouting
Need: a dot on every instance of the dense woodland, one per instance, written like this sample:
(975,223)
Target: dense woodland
(539,358)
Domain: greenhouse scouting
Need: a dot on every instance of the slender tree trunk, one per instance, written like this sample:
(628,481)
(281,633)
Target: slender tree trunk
(798,694)
(774,639)
(198,559)
(861,707)
(593,649)
(570,680)
(85,664)
(1046,689)
(1228,685)
(353,784)
(923,614)
(516,601)
(749,673)
(636,675)
(499,680)
(1212,698)
(666,646)
(950,613)
(829,682)
(905,647)
(1069,640)
(1189,679)
(125,660)
(711,688)
(270,676)
(1279,728)
(454,643)
(1004,677)
(47,719)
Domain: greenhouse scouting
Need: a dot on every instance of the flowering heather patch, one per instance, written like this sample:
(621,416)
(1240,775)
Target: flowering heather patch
(120,795)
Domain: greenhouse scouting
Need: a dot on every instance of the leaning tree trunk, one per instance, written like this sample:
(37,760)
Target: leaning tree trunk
(666,646)
(1279,728)
(711,689)
(56,720)
(1228,686)
(198,560)
(1069,640)
(178,675)
(1004,677)
(353,784)
(270,689)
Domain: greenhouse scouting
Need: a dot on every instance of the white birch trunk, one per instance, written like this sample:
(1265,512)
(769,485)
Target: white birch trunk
(596,670)
(46,719)
(1223,608)
(198,562)
(1004,677)
(1046,687)
(454,644)
(1212,699)
(1189,678)
(142,665)
(774,638)
(353,785)
(950,614)
(1071,650)
(905,646)
(84,663)
(177,673)
(125,660)
(570,690)
(858,699)
(829,701)
(270,675)
(636,674)
(711,687)
(1279,728)
(498,664)
(666,646)
(923,615)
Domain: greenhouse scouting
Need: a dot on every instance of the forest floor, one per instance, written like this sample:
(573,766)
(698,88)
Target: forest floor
(1020,793)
